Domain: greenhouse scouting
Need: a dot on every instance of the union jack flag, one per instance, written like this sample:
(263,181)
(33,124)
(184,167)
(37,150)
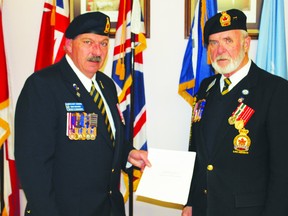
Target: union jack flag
(55,20)
(127,73)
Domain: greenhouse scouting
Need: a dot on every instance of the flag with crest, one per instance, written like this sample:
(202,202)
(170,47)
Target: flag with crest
(195,66)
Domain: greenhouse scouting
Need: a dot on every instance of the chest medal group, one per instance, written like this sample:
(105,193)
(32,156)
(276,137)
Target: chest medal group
(239,118)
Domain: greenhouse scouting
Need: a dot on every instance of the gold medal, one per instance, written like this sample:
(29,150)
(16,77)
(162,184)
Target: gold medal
(71,136)
(93,133)
(239,124)
(76,136)
(231,120)
(242,142)
(88,137)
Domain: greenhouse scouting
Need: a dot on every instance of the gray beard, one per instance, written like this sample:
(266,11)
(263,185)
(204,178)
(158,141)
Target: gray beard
(232,66)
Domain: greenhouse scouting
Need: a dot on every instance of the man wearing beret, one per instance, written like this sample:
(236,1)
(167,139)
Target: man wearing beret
(69,134)
(240,130)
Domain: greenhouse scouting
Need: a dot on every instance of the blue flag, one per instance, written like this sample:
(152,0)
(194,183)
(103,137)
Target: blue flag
(271,51)
(193,73)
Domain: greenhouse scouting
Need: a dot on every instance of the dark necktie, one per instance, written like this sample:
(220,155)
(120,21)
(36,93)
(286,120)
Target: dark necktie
(225,89)
(101,106)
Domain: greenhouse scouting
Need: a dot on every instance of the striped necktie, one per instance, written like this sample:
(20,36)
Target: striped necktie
(101,106)
(225,89)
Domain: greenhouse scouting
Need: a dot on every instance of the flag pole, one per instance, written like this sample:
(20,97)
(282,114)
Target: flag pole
(130,173)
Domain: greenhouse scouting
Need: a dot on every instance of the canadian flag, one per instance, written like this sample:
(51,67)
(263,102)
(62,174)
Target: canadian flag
(10,179)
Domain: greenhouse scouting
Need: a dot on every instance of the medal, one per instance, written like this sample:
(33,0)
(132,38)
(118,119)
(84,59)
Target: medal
(242,113)
(239,119)
(239,124)
(231,120)
(242,142)
(198,110)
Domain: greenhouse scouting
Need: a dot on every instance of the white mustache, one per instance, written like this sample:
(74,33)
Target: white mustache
(222,57)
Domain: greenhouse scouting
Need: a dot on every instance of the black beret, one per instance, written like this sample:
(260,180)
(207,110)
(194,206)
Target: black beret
(224,21)
(92,22)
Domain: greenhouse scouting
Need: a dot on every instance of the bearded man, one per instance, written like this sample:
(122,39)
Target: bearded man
(239,125)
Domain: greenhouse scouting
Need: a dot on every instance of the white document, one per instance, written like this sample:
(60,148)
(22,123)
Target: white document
(170,176)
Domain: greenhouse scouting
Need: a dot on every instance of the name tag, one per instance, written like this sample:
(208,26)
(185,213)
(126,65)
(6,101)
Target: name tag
(74,107)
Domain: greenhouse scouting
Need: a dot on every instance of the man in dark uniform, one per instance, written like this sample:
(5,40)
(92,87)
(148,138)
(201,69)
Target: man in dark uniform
(240,130)
(69,134)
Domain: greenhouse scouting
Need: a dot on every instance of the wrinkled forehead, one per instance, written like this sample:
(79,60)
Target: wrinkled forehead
(233,34)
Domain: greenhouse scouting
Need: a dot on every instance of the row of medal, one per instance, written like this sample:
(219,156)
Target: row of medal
(81,125)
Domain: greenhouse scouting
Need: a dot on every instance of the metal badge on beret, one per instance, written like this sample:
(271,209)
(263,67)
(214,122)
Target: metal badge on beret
(107,27)
(225,19)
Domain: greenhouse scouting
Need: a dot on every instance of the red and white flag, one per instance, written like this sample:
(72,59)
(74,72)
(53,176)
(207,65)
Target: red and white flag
(10,179)
(55,20)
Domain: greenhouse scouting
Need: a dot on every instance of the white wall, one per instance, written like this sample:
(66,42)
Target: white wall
(168,115)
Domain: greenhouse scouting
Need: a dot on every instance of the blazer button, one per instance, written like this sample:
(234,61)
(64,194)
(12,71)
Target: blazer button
(210,167)
(205,191)
(110,192)
(112,170)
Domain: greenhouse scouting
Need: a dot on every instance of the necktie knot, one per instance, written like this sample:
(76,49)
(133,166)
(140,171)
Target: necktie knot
(225,89)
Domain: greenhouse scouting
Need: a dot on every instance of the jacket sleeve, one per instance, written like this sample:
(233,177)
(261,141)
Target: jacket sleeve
(277,129)
(35,129)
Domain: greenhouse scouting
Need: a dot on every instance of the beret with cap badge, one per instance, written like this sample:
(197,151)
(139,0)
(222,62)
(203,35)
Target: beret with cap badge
(224,21)
(92,22)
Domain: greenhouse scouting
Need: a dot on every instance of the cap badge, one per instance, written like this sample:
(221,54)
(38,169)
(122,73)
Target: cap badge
(225,19)
(107,27)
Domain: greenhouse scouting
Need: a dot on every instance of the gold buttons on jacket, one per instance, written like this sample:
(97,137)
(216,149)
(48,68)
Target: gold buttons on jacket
(112,170)
(205,191)
(210,167)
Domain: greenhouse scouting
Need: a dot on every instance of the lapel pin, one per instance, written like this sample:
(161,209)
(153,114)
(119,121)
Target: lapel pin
(245,91)
(77,89)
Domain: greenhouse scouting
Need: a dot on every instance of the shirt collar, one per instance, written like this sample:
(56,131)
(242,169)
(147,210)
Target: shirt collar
(236,77)
(84,80)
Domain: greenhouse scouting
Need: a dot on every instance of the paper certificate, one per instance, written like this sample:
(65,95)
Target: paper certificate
(170,176)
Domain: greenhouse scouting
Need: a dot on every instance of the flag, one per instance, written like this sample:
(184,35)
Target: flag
(127,73)
(10,179)
(194,65)
(271,51)
(55,20)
